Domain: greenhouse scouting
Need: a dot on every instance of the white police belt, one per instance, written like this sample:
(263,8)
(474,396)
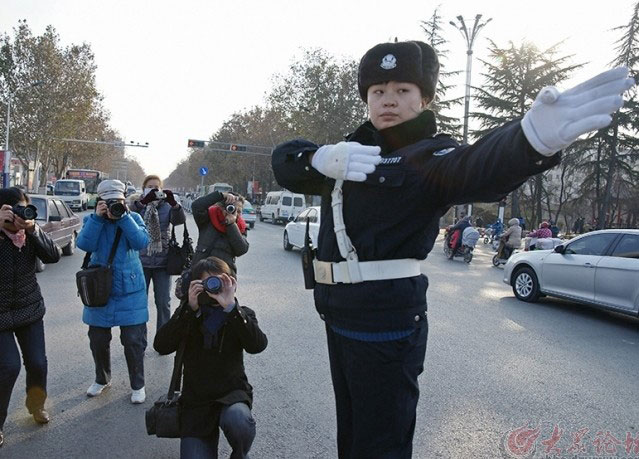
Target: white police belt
(330,273)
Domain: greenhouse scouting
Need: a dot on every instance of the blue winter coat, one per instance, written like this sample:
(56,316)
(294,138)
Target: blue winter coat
(128,301)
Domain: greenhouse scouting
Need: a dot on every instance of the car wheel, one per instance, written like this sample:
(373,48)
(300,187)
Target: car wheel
(252,225)
(526,285)
(68,249)
(287,245)
(39,265)
(261,218)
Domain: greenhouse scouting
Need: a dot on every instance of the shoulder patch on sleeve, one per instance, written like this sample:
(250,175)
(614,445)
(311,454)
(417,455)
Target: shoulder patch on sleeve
(443,152)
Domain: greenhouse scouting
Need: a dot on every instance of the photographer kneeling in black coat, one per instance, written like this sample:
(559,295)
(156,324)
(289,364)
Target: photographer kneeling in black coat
(216,392)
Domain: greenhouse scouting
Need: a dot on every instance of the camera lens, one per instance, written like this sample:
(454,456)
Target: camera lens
(230,209)
(116,209)
(25,212)
(213,284)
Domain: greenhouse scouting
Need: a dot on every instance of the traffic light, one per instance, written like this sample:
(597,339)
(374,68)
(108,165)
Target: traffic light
(196,143)
(235,147)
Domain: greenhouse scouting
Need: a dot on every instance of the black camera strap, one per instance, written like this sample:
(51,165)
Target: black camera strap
(178,362)
(87,256)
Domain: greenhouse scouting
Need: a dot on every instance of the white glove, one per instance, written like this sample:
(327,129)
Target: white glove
(346,160)
(556,119)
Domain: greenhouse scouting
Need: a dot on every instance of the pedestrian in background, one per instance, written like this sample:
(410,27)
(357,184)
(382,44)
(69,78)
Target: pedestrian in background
(159,209)
(22,306)
(127,306)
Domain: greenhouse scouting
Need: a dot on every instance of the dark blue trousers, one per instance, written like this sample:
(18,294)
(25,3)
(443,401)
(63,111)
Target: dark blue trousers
(376,394)
(31,341)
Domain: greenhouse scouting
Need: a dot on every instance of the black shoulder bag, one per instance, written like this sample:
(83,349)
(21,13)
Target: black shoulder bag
(162,419)
(179,258)
(94,282)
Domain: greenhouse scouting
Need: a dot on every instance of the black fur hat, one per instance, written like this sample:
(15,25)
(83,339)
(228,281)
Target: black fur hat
(410,61)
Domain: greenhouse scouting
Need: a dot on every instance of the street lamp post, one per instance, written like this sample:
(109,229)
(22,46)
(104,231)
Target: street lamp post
(469,36)
(6,176)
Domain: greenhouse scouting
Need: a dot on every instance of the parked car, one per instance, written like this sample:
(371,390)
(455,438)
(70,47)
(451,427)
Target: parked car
(599,269)
(295,231)
(249,215)
(58,221)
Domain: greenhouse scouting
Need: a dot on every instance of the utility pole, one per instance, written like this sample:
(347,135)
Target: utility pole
(470,37)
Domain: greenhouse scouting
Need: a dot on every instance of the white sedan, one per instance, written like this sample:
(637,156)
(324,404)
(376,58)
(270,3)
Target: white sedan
(295,231)
(600,269)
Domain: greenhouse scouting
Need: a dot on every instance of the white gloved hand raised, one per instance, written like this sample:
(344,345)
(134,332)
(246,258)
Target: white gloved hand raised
(346,160)
(556,119)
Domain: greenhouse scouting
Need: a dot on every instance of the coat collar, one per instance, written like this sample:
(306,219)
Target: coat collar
(399,136)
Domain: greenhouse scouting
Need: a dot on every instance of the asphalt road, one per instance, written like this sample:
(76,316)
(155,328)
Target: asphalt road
(493,365)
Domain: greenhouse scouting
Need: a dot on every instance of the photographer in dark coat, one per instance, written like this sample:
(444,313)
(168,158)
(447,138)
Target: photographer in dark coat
(159,209)
(225,240)
(215,390)
(370,290)
(21,304)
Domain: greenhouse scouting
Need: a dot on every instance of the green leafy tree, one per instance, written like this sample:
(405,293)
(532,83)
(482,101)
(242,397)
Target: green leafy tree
(513,77)
(443,103)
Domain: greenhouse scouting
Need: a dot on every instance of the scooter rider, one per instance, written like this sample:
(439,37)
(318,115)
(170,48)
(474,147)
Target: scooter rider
(511,238)
(374,303)
(456,238)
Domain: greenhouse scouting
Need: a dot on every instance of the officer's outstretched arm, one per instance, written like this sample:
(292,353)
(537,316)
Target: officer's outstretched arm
(556,119)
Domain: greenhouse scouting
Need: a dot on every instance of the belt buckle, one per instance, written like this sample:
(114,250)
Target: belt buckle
(324,272)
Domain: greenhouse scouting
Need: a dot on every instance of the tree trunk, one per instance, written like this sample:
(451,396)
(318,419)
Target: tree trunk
(514,204)
(605,204)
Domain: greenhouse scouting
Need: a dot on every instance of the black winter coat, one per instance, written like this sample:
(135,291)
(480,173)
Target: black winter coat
(213,378)
(211,242)
(21,302)
(395,212)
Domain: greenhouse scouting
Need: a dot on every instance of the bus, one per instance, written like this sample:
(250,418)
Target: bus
(92,179)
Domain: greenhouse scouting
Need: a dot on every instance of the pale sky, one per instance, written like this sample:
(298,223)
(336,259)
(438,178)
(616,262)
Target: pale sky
(176,70)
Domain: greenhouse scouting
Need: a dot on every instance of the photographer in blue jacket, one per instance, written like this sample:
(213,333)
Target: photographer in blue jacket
(127,305)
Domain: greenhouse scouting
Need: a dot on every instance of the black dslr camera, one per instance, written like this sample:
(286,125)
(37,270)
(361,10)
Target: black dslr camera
(213,284)
(28,212)
(116,208)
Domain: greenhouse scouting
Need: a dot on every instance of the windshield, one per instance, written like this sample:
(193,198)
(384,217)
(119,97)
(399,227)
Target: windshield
(41,206)
(63,188)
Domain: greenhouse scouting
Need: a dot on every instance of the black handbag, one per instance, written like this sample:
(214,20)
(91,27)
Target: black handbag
(179,258)
(94,282)
(162,419)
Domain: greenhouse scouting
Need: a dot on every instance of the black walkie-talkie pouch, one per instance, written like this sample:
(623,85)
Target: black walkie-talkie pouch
(308,255)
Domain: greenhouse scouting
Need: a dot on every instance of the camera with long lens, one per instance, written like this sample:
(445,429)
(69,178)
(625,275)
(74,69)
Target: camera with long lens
(230,208)
(213,284)
(28,212)
(116,208)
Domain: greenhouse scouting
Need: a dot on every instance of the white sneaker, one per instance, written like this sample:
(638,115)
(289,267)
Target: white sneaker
(138,396)
(97,389)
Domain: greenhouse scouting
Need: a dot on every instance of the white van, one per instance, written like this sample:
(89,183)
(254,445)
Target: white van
(73,192)
(282,206)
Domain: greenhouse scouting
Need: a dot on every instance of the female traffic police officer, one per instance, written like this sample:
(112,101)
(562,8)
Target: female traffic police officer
(383,192)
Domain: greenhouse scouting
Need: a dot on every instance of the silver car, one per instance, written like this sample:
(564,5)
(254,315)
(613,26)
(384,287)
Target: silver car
(295,231)
(600,269)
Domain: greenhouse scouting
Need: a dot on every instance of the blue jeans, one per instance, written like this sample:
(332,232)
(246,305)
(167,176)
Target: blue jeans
(161,292)
(31,341)
(238,426)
